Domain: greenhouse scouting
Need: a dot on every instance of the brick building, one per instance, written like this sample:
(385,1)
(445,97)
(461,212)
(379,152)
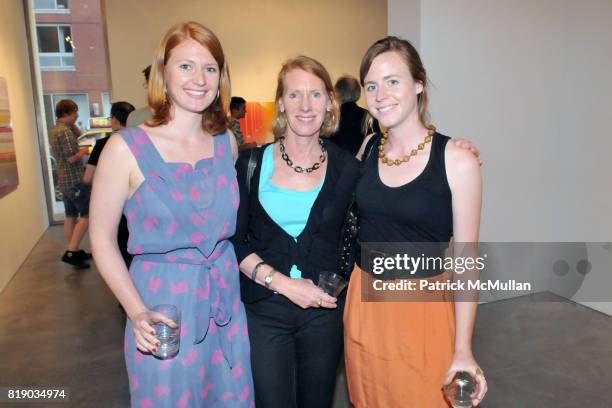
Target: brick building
(72,56)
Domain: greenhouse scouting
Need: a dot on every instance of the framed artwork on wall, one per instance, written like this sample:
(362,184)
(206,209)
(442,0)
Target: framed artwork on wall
(9,179)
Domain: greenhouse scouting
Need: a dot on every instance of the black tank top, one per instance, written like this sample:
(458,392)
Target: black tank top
(419,211)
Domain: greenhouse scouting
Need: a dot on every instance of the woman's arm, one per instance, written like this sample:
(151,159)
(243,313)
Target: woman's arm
(108,196)
(302,292)
(110,190)
(465,181)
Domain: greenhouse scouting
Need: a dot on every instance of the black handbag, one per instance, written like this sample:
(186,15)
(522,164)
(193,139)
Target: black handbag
(347,250)
(348,241)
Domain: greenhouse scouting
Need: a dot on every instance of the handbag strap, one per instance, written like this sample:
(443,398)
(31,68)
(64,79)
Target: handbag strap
(251,166)
(368,148)
(350,225)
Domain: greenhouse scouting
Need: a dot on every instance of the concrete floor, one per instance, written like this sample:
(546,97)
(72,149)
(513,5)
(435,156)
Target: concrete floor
(62,328)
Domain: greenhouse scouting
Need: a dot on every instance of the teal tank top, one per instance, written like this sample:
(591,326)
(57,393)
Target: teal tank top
(287,208)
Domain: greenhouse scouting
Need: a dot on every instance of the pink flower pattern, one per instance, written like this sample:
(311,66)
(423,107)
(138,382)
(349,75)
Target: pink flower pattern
(184,259)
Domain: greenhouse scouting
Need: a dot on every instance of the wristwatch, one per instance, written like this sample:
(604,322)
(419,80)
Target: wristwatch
(268,278)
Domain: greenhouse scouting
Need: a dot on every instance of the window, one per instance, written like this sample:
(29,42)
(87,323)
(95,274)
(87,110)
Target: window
(55,47)
(51,6)
(52,26)
(106,104)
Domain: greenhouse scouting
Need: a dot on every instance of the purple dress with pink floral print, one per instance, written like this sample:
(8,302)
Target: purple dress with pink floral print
(180,219)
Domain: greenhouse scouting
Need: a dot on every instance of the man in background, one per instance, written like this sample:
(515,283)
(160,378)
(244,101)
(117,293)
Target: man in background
(351,131)
(69,169)
(141,115)
(119,116)
(237,112)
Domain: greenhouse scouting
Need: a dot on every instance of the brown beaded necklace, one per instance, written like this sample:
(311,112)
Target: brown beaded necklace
(431,129)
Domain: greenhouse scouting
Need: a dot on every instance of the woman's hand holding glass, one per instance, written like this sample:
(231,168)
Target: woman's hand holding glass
(464,361)
(144,331)
(305,294)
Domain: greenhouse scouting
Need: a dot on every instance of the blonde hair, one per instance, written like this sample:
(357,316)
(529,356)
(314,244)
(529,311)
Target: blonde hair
(332,117)
(214,117)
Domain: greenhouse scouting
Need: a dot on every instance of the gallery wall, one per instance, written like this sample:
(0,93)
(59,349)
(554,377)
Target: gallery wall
(404,20)
(23,213)
(257,37)
(529,82)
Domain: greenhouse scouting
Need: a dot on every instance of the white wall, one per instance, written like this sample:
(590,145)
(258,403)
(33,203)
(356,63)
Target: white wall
(23,213)
(257,36)
(404,20)
(529,82)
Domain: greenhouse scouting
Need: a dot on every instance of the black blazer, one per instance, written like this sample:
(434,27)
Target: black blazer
(317,246)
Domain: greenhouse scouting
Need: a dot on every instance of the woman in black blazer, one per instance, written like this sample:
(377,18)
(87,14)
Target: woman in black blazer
(289,221)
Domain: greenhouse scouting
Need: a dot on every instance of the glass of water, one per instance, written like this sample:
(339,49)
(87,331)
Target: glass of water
(168,337)
(460,390)
(331,283)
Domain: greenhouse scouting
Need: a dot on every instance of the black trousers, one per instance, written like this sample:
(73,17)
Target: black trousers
(295,353)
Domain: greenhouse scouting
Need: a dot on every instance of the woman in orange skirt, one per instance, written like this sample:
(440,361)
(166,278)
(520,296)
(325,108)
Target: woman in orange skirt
(401,348)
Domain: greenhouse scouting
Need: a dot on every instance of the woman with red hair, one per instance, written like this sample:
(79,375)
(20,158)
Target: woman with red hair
(174,179)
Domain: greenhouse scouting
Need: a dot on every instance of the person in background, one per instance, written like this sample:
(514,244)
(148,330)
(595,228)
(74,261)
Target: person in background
(237,112)
(174,179)
(351,131)
(141,115)
(119,114)
(69,167)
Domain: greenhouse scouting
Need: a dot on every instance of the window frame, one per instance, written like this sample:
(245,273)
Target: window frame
(61,54)
(55,10)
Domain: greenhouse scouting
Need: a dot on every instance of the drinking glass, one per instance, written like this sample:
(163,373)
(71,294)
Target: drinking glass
(168,337)
(331,283)
(460,390)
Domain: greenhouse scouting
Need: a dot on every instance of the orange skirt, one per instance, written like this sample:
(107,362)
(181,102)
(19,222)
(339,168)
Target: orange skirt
(397,353)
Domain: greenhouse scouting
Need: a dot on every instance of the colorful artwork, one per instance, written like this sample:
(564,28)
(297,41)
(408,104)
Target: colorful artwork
(9,178)
(257,124)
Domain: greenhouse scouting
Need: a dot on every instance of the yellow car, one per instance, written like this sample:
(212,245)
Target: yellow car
(89,138)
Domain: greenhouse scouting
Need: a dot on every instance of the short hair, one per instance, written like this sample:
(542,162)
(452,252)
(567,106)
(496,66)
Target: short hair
(65,107)
(411,56)
(348,89)
(214,117)
(332,117)
(236,102)
(121,111)
(147,73)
